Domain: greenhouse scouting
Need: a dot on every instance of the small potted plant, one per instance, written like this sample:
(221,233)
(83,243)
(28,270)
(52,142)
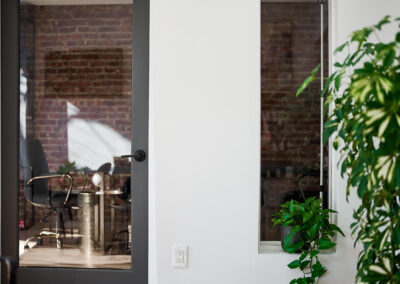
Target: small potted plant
(310,232)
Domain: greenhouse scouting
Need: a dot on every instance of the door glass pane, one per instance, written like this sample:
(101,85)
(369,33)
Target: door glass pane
(290,126)
(75,124)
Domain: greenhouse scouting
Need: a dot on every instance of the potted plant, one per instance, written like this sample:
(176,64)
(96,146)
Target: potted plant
(364,96)
(310,232)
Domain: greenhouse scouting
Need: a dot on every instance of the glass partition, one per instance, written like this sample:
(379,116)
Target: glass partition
(290,126)
(75,127)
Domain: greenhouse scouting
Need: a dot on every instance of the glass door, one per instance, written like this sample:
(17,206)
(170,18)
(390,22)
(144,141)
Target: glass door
(74,139)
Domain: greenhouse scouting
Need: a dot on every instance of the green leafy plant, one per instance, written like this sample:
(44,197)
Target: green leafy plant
(310,233)
(364,95)
(67,167)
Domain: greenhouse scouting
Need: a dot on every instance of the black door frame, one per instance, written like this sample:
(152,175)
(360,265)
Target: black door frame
(10,156)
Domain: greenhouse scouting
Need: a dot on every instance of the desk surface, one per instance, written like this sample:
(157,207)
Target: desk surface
(109,192)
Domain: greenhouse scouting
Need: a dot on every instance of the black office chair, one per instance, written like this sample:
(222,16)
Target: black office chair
(125,197)
(36,191)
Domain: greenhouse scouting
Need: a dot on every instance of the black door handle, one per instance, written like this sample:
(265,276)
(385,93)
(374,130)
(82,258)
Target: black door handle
(139,156)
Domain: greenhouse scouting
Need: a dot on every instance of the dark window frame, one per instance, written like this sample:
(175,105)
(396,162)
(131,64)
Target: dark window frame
(10,155)
(273,246)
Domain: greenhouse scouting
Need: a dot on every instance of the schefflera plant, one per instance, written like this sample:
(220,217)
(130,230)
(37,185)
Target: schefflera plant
(364,95)
(310,233)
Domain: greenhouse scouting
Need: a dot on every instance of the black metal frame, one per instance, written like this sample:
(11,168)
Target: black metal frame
(10,156)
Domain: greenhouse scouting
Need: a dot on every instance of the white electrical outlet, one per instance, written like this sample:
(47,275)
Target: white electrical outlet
(180,256)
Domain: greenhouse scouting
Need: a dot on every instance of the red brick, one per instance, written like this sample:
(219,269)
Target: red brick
(64,75)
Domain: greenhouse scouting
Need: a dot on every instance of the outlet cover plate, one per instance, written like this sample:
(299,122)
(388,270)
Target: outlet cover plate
(180,256)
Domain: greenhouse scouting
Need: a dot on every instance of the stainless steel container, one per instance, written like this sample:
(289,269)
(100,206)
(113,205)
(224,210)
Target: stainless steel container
(86,204)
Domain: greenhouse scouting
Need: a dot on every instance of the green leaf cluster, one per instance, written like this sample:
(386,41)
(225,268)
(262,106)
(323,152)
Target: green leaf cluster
(310,233)
(364,124)
(67,167)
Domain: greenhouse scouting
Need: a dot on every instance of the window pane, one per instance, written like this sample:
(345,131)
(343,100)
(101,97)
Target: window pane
(75,119)
(290,126)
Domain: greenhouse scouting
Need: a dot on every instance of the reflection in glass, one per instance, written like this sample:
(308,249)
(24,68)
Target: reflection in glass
(290,126)
(75,123)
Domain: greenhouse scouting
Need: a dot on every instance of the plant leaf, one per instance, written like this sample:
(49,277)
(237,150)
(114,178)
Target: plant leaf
(378,269)
(303,256)
(384,21)
(383,126)
(389,59)
(324,244)
(307,82)
(340,48)
(307,216)
(336,228)
(294,264)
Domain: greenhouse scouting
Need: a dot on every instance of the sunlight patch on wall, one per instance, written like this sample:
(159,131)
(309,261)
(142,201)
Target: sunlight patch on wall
(91,144)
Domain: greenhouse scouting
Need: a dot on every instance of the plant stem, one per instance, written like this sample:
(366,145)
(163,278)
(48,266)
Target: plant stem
(392,238)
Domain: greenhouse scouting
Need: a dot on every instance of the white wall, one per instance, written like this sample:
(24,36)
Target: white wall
(204,143)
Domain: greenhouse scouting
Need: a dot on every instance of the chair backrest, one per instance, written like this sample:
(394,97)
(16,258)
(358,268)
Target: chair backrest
(35,164)
(126,189)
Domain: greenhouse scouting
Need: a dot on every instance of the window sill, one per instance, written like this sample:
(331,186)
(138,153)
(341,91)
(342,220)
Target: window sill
(270,247)
(274,247)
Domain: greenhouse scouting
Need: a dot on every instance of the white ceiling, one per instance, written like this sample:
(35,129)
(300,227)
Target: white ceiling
(76,2)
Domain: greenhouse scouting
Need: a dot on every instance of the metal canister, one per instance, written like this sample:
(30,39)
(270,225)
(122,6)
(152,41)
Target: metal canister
(86,204)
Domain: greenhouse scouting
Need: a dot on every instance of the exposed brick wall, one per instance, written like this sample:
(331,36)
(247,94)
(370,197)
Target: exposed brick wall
(290,49)
(83,56)
(290,134)
(91,72)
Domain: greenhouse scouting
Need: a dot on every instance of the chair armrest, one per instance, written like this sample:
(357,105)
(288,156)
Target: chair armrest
(86,177)
(71,182)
